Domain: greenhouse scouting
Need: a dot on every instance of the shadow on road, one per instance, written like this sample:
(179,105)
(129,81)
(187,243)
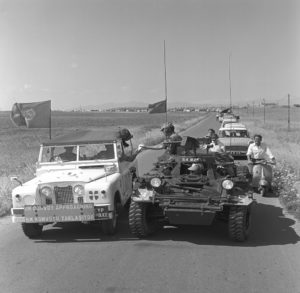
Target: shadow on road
(269,227)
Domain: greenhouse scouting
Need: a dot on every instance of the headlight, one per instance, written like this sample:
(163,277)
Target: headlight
(29,200)
(46,191)
(227,184)
(155,182)
(78,190)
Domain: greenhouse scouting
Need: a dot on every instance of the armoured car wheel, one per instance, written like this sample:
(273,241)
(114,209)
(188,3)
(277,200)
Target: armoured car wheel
(239,223)
(32,230)
(140,222)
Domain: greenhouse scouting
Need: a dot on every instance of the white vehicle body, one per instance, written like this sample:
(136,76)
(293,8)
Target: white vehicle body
(84,189)
(228,120)
(236,139)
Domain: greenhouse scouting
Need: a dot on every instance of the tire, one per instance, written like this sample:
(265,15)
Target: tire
(239,223)
(109,227)
(140,224)
(32,230)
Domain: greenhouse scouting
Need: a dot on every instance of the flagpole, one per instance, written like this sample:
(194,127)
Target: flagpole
(50,121)
(166,94)
(230,84)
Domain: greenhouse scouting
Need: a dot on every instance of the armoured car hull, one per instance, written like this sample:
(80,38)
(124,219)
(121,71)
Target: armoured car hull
(169,194)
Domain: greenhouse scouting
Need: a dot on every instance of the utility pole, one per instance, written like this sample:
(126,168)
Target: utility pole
(289,112)
(253,109)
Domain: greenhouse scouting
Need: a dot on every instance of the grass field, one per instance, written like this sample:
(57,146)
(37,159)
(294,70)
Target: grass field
(19,146)
(284,142)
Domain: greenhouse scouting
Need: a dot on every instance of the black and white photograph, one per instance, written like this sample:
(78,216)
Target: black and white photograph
(150,146)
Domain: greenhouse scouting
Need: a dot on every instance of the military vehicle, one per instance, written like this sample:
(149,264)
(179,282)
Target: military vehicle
(188,186)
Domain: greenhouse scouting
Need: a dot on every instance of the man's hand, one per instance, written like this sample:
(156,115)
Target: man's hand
(140,147)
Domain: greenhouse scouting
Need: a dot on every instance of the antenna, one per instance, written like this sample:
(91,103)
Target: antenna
(166,94)
(230,83)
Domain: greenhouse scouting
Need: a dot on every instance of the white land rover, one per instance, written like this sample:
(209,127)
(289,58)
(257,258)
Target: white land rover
(236,139)
(82,177)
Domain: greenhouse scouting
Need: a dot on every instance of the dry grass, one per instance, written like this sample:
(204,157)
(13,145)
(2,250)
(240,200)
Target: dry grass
(284,140)
(19,146)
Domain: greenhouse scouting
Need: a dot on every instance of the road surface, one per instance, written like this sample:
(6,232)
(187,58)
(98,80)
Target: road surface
(79,258)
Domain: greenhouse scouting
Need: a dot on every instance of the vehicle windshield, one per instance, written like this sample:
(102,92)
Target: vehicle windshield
(234,133)
(68,153)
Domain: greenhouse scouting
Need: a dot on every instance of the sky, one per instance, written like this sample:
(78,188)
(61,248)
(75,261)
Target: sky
(87,52)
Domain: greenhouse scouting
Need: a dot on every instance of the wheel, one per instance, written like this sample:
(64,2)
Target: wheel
(140,222)
(32,230)
(109,227)
(239,223)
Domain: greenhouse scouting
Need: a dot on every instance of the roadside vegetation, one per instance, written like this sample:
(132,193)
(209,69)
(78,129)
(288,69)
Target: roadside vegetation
(19,146)
(284,141)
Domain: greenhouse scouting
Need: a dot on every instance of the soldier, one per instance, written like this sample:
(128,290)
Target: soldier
(68,155)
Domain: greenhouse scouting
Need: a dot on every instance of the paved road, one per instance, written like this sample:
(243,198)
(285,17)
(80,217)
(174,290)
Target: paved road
(79,258)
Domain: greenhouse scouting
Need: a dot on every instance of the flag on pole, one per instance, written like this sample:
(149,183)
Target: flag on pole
(159,107)
(32,115)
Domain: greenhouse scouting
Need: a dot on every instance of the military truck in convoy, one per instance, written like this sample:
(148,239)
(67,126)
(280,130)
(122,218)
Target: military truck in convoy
(188,186)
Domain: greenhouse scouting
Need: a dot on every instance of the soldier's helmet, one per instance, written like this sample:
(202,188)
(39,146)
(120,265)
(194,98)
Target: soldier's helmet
(196,167)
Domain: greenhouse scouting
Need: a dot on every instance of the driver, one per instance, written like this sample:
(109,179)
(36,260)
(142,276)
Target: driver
(68,154)
(196,169)
(259,150)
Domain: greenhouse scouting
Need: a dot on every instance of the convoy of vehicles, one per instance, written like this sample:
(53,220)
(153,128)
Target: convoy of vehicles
(87,176)
(81,177)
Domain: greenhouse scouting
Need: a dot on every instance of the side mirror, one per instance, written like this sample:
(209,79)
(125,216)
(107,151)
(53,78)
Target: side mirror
(15,178)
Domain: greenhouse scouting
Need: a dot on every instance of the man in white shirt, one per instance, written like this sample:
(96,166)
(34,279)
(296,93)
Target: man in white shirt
(215,145)
(258,150)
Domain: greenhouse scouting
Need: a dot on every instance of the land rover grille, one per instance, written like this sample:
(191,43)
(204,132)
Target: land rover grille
(63,194)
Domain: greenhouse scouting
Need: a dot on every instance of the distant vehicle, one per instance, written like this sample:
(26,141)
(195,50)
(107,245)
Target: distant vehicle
(229,120)
(82,177)
(228,116)
(236,139)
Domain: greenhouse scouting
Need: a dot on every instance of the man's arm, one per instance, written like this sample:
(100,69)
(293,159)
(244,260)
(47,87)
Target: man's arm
(249,153)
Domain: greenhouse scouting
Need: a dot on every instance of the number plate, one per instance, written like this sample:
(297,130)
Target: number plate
(59,213)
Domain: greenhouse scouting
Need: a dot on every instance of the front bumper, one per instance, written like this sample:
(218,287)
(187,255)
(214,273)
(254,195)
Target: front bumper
(61,213)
